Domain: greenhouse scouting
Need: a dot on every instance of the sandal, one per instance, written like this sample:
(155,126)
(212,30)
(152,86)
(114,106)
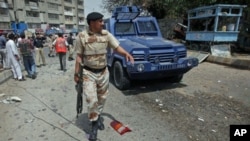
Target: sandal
(22,79)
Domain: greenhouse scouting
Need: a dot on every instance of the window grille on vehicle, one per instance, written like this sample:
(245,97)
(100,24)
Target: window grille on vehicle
(181,54)
(138,57)
(161,57)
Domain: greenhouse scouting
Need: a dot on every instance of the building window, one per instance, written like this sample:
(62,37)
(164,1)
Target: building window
(32,14)
(4,25)
(68,1)
(68,18)
(53,6)
(81,20)
(81,27)
(53,16)
(67,9)
(80,3)
(4,12)
(80,11)
(27,2)
(69,26)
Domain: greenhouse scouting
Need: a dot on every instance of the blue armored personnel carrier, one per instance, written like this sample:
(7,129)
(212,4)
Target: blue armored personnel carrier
(155,57)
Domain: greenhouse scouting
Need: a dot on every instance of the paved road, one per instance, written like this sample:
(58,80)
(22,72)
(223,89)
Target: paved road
(201,107)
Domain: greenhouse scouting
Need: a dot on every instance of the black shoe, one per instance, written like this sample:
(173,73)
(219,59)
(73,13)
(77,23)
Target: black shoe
(33,76)
(100,123)
(29,76)
(93,133)
(70,58)
(49,55)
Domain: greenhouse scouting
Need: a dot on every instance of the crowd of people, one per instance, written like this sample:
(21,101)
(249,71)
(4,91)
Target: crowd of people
(17,50)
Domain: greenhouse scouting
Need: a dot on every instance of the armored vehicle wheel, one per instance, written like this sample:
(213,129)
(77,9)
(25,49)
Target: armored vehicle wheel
(175,79)
(121,79)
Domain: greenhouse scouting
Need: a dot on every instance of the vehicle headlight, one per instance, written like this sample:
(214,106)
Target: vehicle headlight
(140,67)
(189,63)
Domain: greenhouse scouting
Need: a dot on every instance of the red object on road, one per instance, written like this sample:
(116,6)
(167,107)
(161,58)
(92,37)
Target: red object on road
(119,127)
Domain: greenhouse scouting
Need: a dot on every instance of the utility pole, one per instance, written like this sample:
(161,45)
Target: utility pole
(77,16)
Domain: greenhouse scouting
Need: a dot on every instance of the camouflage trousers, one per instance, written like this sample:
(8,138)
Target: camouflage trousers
(95,88)
(71,51)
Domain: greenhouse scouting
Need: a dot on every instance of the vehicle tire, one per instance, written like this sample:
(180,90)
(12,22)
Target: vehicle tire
(195,47)
(120,77)
(205,47)
(175,78)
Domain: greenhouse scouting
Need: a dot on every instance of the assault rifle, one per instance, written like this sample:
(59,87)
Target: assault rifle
(79,93)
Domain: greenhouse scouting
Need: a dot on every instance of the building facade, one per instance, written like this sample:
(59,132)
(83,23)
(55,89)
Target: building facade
(65,14)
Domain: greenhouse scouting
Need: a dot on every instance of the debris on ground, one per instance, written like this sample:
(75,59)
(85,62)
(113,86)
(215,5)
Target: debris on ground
(119,127)
(10,100)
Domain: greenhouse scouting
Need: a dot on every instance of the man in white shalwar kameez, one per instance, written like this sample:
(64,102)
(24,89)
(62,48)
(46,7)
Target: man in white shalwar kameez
(14,58)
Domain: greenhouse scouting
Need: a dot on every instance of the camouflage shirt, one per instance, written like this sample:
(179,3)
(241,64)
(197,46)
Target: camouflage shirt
(93,47)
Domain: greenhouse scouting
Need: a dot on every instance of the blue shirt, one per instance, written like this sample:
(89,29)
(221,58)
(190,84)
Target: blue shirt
(2,42)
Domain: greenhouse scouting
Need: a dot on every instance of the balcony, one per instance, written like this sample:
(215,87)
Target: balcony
(81,15)
(57,10)
(55,1)
(81,23)
(54,20)
(33,19)
(68,13)
(68,4)
(80,6)
(11,6)
(4,5)
(69,22)
(33,5)
(5,18)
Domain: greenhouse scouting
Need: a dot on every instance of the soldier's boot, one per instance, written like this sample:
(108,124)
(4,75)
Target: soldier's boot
(100,123)
(94,129)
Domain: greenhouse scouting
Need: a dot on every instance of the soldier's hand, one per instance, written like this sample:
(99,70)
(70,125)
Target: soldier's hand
(76,78)
(130,58)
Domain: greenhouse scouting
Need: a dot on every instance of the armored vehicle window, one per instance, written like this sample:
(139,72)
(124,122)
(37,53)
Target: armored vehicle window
(146,26)
(124,28)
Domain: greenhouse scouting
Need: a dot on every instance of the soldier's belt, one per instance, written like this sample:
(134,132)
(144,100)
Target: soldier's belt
(94,70)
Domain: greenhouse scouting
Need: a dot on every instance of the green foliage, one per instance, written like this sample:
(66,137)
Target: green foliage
(170,8)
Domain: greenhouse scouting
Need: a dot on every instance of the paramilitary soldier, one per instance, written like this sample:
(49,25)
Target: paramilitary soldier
(91,48)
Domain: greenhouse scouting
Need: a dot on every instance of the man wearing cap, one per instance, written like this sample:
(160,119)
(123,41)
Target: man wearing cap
(91,48)
(38,43)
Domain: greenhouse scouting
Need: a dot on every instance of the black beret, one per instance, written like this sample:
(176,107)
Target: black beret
(94,16)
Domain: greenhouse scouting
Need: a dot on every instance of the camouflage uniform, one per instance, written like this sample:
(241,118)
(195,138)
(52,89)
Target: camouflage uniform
(51,39)
(95,84)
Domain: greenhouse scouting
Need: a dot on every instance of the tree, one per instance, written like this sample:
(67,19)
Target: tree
(168,8)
